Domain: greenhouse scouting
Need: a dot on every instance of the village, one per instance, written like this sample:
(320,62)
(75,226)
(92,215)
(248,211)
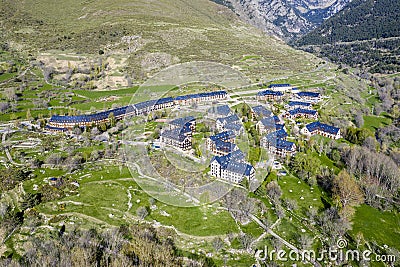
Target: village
(226,160)
(200,133)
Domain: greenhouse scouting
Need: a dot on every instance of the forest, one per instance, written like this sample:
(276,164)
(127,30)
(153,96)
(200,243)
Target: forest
(364,34)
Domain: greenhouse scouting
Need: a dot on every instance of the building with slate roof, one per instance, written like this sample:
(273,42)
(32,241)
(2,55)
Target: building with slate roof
(179,138)
(234,118)
(201,97)
(238,155)
(145,107)
(277,146)
(229,169)
(55,129)
(214,144)
(227,123)
(298,104)
(259,112)
(272,138)
(309,96)
(295,90)
(219,111)
(321,129)
(178,123)
(278,120)
(268,125)
(237,128)
(280,87)
(280,134)
(221,148)
(301,113)
(269,95)
(228,136)
(88,120)
(153,105)
(118,113)
(282,148)
(275,142)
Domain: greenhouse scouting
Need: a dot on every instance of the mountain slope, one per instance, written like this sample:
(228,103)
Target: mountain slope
(364,33)
(144,36)
(359,20)
(285,19)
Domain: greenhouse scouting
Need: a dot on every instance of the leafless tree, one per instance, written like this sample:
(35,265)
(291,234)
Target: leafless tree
(291,204)
(312,214)
(370,143)
(4,106)
(217,244)
(10,94)
(95,131)
(305,241)
(280,212)
(359,119)
(54,159)
(95,155)
(142,212)
(274,190)
(245,240)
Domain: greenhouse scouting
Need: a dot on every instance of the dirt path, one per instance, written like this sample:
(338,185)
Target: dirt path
(8,154)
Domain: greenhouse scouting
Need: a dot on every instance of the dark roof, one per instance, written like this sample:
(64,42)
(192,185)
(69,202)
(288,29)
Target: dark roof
(49,127)
(225,146)
(261,111)
(322,127)
(308,94)
(200,95)
(313,126)
(182,121)
(92,117)
(237,155)
(299,103)
(273,137)
(70,119)
(228,163)
(223,110)
(151,103)
(279,126)
(230,119)
(282,144)
(302,111)
(223,136)
(233,126)
(281,134)
(240,168)
(276,119)
(269,92)
(176,134)
(270,123)
(127,109)
(279,85)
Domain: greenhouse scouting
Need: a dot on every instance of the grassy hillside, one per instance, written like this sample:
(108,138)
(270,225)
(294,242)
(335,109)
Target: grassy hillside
(79,57)
(143,36)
